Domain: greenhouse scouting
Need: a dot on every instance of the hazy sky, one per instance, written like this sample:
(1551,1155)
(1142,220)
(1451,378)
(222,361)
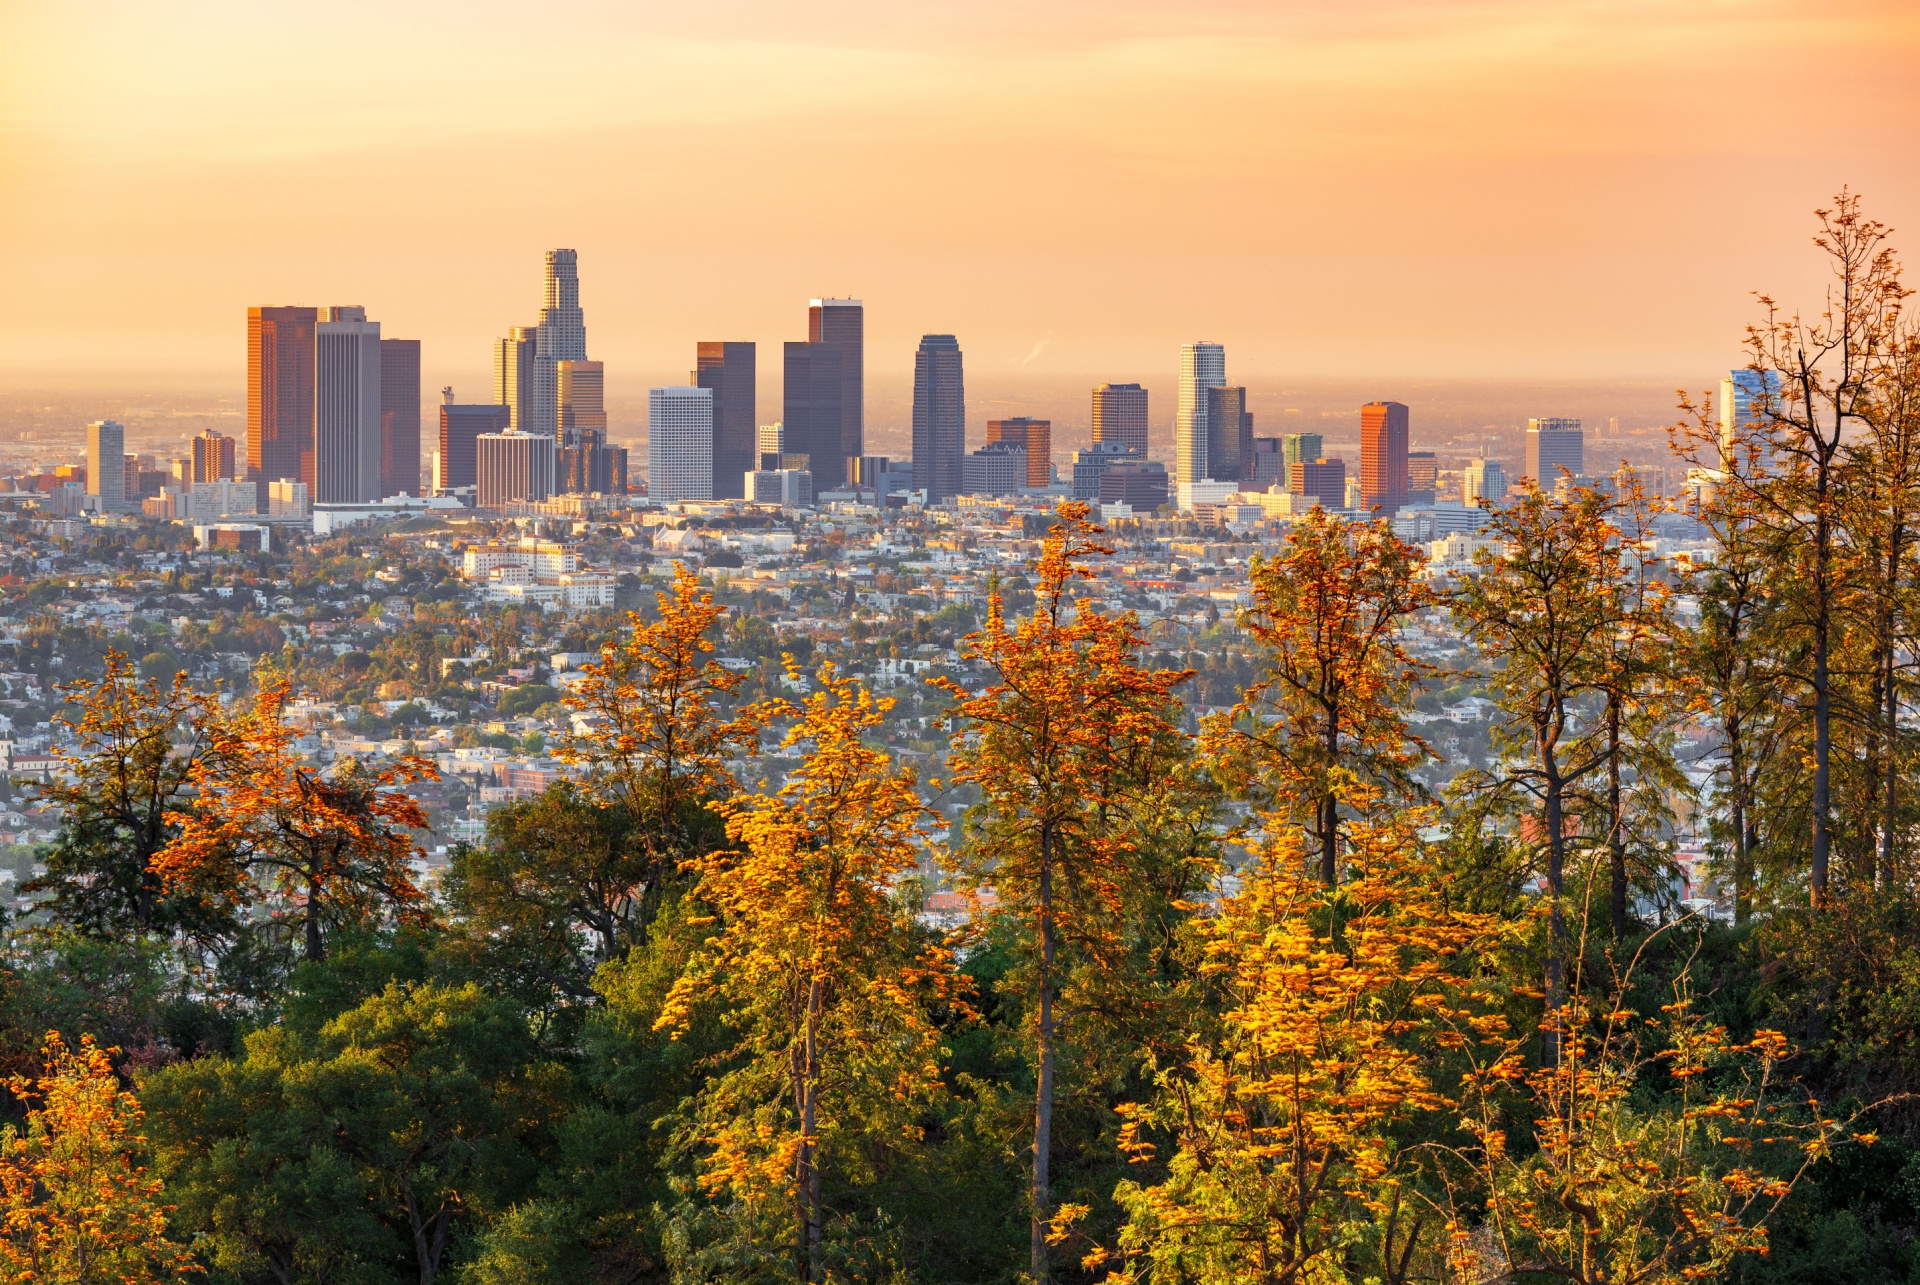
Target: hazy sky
(1410,187)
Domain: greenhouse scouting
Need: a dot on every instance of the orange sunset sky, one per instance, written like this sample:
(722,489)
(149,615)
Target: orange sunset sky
(1572,189)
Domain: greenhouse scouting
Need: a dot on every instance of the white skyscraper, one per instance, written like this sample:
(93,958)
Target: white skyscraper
(107,465)
(1746,404)
(680,443)
(346,407)
(1202,366)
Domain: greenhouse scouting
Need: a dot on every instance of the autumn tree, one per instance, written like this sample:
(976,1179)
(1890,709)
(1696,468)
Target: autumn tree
(334,845)
(78,1209)
(821,975)
(655,741)
(135,745)
(1068,726)
(1284,1131)
(1328,612)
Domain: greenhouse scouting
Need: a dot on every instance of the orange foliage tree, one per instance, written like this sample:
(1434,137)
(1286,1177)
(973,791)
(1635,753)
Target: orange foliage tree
(652,739)
(78,1210)
(1329,612)
(1069,725)
(1285,1162)
(819,970)
(337,845)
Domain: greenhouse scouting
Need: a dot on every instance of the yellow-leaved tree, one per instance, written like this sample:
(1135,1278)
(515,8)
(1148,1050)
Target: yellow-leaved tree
(818,969)
(78,1209)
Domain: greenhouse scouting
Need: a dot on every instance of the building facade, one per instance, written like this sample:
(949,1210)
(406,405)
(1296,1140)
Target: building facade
(346,407)
(1322,480)
(842,323)
(1555,446)
(1202,366)
(939,417)
(998,468)
(280,369)
(399,417)
(512,466)
(513,381)
(1383,457)
(456,462)
(680,443)
(729,370)
(213,458)
(1120,416)
(107,465)
(1229,434)
(812,417)
(1035,436)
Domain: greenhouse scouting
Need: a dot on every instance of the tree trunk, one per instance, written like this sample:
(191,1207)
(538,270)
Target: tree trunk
(1737,808)
(1329,818)
(1556,984)
(1822,698)
(1043,1095)
(316,947)
(811,1266)
(1616,833)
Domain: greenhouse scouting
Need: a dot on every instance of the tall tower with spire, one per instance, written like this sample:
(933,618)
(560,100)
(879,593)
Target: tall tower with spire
(560,336)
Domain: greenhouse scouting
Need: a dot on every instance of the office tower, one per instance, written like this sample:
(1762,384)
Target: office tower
(288,500)
(814,423)
(1322,480)
(842,323)
(280,354)
(1120,415)
(560,336)
(1423,472)
(581,389)
(346,407)
(680,443)
(1090,464)
(1301,448)
(729,369)
(1139,484)
(107,465)
(1202,366)
(769,439)
(460,428)
(1036,437)
(1266,466)
(212,458)
(512,467)
(998,468)
(1748,403)
(1383,457)
(399,417)
(939,417)
(1554,446)
(1483,482)
(1229,434)
(513,380)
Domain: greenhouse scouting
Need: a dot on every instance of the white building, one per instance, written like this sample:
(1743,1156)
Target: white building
(1483,482)
(1202,366)
(679,443)
(288,499)
(107,466)
(346,407)
(536,556)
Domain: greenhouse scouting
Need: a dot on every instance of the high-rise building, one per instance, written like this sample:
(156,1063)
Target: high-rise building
(1033,435)
(814,423)
(1299,448)
(1090,464)
(939,417)
(1483,482)
(213,458)
(1748,401)
(399,417)
(280,356)
(1202,366)
(680,443)
(1229,434)
(998,468)
(581,387)
(560,336)
(729,368)
(769,439)
(1554,446)
(1322,480)
(346,407)
(1383,457)
(107,465)
(1423,475)
(511,467)
(461,427)
(842,323)
(1267,466)
(1120,415)
(1139,484)
(513,378)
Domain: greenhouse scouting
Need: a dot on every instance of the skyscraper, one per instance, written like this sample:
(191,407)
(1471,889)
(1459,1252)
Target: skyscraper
(399,417)
(1554,446)
(728,368)
(1036,436)
(1120,415)
(107,465)
(560,336)
(1229,434)
(812,391)
(581,387)
(680,443)
(1322,480)
(1748,401)
(460,429)
(939,417)
(512,466)
(513,381)
(1483,482)
(842,323)
(346,407)
(1301,448)
(1383,457)
(213,458)
(280,355)
(1202,366)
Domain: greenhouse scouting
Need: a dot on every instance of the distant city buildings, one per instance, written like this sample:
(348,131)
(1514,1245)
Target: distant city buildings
(347,403)
(1483,482)
(1035,437)
(680,443)
(1296,448)
(1202,366)
(1748,403)
(513,379)
(1554,446)
(107,466)
(1229,435)
(1091,464)
(399,417)
(998,468)
(456,463)
(1120,416)
(842,324)
(213,458)
(727,369)
(1139,484)
(1383,457)
(512,466)
(939,418)
(280,405)
(1266,466)
(1423,477)
(1322,480)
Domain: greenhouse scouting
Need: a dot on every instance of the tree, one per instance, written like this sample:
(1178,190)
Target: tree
(1285,1128)
(336,845)
(654,741)
(1328,612)
(78,1210)
(819,968)
(135,746)
(1069,724)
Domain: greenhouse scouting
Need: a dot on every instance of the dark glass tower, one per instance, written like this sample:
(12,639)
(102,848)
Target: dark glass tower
(728,368)
(939,417)
(814,388)
(842,323)
(399,417)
